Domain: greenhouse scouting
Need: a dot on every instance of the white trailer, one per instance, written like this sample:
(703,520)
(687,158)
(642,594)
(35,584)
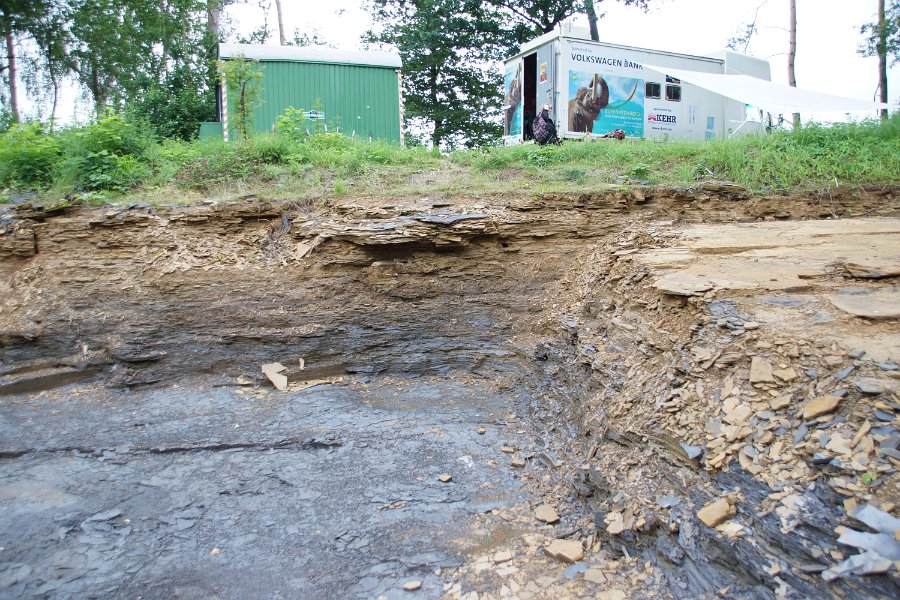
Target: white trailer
(594,88)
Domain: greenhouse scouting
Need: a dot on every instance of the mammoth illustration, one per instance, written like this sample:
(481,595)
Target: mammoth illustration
(585,107)
(513,98)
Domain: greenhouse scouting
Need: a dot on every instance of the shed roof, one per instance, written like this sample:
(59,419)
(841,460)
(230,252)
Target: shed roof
(311,54)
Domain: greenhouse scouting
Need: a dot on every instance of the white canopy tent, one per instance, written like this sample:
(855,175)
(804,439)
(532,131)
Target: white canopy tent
(768,96)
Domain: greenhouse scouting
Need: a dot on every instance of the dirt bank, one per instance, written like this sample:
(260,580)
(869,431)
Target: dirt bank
(642,354)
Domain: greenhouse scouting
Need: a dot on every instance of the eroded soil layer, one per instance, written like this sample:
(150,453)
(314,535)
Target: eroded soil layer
(592,353)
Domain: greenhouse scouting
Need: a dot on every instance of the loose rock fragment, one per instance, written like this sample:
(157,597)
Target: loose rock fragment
(595,575)
(819,406)
(615,528)
(273,372)
(546,513)
(761,371)
(715,512)
(872,386)
(566,550)
(411,586)
(502,557)
(517,462)
(867,563)
(444,478)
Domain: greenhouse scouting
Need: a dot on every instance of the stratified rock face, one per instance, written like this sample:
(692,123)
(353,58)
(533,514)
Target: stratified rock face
(666,359)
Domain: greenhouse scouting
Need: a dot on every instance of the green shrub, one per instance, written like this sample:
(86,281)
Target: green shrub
(28,156)
(291,124)
(105,155)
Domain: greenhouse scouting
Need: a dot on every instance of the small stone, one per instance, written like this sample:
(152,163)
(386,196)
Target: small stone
(780,402)
(611,595)
(751,325)
(215,552)
(884,416)
(869,385)
(507,449)
(566,550)
(595,575)
(739,415)
(615,528)
(444,478)
(819,406)
(691,451)
(411,586)
(546,513)
(856,354)
(481,431)
(668,501)
(760,370)
(517,462)
(843,373)
(715,512)
(502,557)
(786,375)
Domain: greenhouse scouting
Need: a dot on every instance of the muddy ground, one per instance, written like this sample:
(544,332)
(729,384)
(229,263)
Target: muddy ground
(624,359)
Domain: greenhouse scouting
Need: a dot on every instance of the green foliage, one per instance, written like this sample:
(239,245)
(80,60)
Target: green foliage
(883,39)
(448,47)
(291,124)
(112,156)
(813,156)
(174,108)
(105,155)
(28,156)
(574,174)
(243,78)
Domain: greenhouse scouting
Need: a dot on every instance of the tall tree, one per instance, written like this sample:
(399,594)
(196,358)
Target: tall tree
(792,52)
(449,50)
(592,19)
(883,40)
(17,18)
(281,39)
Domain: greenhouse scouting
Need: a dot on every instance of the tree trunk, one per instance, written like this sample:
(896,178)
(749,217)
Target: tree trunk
(882,57)
(213,17)
(792,54)
(280,23)
(592,19)
(13,93)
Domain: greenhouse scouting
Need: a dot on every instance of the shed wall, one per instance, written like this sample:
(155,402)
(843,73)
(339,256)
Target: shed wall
(360,99)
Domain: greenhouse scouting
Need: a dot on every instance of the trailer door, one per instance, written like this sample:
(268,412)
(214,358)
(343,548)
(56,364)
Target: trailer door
(546,88)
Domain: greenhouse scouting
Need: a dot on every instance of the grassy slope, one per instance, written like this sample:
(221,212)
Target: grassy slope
(330,165)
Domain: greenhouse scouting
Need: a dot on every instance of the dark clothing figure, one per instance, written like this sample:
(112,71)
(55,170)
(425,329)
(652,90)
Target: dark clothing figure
(544,129)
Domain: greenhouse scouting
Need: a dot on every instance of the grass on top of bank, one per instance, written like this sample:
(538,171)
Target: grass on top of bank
(115,160)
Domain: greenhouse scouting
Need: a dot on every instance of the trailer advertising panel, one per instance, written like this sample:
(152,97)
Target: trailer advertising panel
(605,91)
(513,110)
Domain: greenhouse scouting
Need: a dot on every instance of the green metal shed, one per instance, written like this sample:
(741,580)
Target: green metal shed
(356,93)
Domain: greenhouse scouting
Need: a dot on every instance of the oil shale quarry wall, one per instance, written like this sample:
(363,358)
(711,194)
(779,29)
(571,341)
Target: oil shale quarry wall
(687,349)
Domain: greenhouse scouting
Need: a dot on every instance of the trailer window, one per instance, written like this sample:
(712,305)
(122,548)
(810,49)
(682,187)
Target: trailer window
(673,93)
(652,90)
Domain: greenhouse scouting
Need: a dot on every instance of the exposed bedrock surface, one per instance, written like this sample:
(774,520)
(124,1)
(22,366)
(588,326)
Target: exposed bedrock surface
(605,342)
